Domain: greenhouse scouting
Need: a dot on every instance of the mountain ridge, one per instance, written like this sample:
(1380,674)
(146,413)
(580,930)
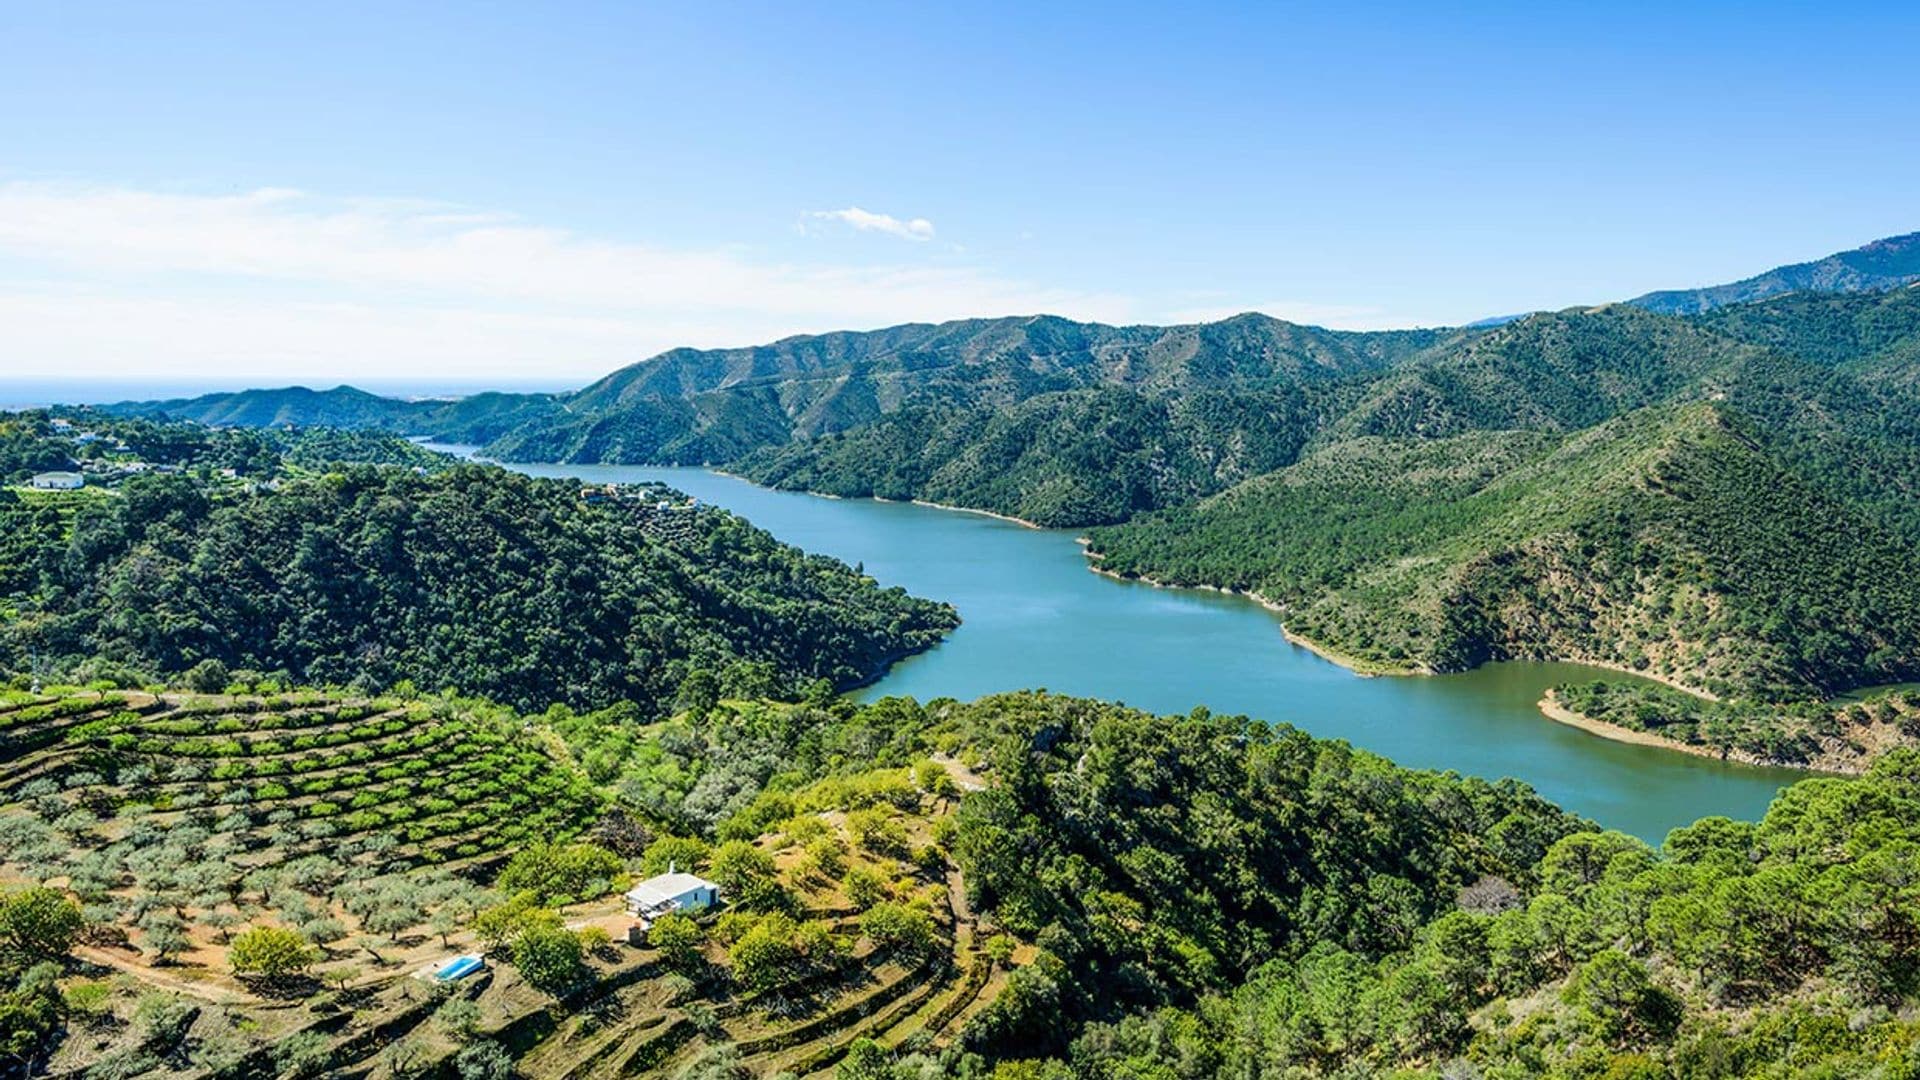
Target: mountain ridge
(1885,263)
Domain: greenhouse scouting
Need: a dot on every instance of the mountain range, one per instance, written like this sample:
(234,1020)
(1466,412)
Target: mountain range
(1655,484)
(1882,264)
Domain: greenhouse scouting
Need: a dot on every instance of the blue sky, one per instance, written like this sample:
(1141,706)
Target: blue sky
(495,191)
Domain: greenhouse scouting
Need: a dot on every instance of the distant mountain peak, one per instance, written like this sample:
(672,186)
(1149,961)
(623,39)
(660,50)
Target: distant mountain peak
(1886,263)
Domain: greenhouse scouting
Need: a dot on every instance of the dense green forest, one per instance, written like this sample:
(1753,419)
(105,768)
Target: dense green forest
(1062,459)
(1212,896)
(1783,948)
(469,578)
(1003,414)
(1103,893)
(1667,541)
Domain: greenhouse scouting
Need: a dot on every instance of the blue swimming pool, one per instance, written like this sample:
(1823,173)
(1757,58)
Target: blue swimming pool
(458,968)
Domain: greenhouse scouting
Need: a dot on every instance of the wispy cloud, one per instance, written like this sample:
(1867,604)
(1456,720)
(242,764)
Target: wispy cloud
(100,281)
(868,221)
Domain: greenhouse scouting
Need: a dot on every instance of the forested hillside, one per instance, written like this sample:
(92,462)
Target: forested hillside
(108,448)
(1070,423)
(473,578)
(1023,886)
(477,419)
(1668,541)
(1062,459)
(1783,948)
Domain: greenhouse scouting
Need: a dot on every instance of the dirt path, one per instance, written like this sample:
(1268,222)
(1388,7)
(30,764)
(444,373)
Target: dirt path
(153,976)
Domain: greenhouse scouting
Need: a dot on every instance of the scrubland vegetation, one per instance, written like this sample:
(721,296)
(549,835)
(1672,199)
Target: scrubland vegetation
(1028,885)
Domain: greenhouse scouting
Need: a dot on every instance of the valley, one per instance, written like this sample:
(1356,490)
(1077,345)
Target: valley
(1032,615)
(329,752)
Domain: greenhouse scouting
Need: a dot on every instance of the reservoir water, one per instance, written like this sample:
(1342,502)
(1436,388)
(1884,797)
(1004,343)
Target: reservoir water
(1034,616)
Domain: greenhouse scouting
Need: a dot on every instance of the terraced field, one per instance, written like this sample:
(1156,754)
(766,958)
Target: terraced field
(374,828)
(175,819)
(642,1018)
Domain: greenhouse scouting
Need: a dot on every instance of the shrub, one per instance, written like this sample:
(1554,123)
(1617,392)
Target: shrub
(208,677)
(595,938)
(864,887)
(503,924)
(550,870)
(550,957)
(898,927)
(303,1054)
(778,952)
(877,831)
(271,953)
(39,924)
(459,1017)
(747,876)
(673,852)
(483,1061)
(679,940)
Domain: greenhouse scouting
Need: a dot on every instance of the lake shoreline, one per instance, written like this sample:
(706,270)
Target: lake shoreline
(1366,669)
(1372,668)
(1552,709)
(1029,624)
(1022,522)
(1667,681)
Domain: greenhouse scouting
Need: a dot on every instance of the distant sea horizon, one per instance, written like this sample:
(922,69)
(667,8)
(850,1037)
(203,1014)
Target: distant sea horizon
(39,393)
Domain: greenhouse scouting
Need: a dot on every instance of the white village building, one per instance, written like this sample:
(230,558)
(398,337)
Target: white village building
(58,481)
(671,892)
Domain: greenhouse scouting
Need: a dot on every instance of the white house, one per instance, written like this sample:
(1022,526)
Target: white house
(671,892)
(58,481)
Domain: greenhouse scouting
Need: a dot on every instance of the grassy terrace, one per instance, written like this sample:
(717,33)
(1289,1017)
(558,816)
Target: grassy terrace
(176,818)
(377,828)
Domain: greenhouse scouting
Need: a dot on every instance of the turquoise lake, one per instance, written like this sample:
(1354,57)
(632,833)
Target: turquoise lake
(1034,616)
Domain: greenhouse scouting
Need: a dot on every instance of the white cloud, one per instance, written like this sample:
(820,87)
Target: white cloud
(276,282)
(868,221)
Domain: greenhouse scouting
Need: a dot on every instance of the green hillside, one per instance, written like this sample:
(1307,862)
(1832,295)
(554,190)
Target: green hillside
(1781,948)
(1062,459)
(1070,424)
(1668,541)
(875,906)
(467,578)
(691,406)
(1727,499)
(1867,330)
(1023,886)
(477,418)
(1847,414)
(1555,371)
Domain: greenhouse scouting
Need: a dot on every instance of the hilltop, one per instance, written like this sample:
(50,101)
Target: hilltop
(1882,264)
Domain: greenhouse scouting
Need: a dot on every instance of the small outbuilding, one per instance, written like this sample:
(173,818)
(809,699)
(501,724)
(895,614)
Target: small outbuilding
(58,481)
(671,892)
